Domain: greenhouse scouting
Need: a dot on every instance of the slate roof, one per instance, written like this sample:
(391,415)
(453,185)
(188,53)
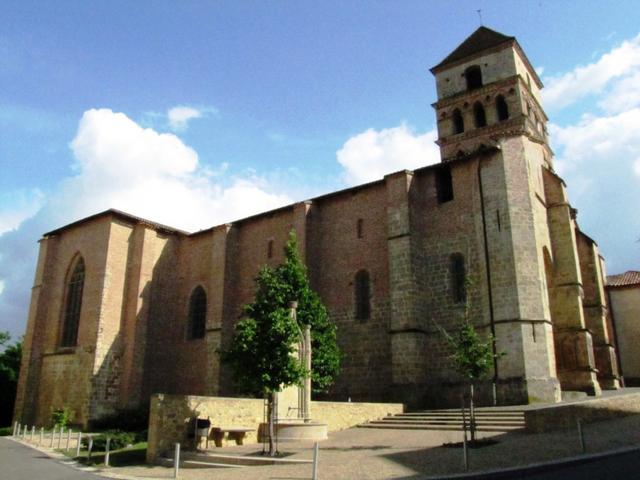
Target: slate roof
(632,277)
(482,39)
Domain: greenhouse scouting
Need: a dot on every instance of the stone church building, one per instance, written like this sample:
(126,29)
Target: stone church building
(123,307)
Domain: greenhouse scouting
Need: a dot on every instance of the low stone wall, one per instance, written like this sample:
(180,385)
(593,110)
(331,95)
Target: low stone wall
(170,417)
(561,417)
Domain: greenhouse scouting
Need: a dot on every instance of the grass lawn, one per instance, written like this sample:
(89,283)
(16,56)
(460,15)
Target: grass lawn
(135,455)
(5,431)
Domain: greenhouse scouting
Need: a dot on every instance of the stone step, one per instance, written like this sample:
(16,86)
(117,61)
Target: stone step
(451,421)
(513,413)
(405,426)
(488,417)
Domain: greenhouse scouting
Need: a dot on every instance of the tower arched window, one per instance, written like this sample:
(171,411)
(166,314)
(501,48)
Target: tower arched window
(502,108)
(363,295)
(458,278)
(197,313)
(73,303)
(473,76)
(458,122)
(479,116)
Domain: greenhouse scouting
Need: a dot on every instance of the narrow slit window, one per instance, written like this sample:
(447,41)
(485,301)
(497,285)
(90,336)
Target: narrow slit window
(458,278)
(197,314)
(502,108)
(458,122)
(73,305)
(444,184)
(270,249)
(359,225)
(479,116)
(363,295)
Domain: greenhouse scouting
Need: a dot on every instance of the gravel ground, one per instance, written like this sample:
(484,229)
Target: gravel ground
(381,454)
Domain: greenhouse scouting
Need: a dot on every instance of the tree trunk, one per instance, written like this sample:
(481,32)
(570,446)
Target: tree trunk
(472,414)
(270,412)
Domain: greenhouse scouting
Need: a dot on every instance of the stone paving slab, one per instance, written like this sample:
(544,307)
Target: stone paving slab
(381,454)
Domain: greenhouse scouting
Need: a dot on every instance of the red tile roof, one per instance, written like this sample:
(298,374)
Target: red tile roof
(632,277)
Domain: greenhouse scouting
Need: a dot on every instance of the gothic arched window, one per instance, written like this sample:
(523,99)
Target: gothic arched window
(479,117)
(502,108)
(473,75)
(458,278)
(363,295)
(73,304)
(458,122)
(197,313)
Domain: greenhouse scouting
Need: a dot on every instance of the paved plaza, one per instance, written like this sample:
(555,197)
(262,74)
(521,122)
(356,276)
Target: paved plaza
(381,454)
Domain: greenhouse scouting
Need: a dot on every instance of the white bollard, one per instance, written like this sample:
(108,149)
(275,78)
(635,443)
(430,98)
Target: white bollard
(68,438)
(15,428)
(89,448)
(41,436)
(60,437)
(176,461)
(24,432)
(79,444)
(314,475)
(106,453)
(53,434)
(33,432)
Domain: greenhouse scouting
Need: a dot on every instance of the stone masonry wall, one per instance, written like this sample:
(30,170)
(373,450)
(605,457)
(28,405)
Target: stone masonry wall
(170,417)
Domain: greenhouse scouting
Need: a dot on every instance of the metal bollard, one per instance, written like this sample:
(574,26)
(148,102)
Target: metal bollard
(583,446)
(79,444)
(314,474)
(53,434)
(60,437)
(33,432)
(176,461)
(68,438)
(106,453)
(89,448)
(41,436)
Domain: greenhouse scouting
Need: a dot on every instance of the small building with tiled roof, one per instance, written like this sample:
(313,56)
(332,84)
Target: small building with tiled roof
(624,303)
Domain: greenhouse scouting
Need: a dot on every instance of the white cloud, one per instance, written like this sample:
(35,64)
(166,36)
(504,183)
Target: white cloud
(154,175)
(599,157)
(17,206)
(179,117)
(591,79)
(119,164)
(609,139)
(374,153)
(624,94)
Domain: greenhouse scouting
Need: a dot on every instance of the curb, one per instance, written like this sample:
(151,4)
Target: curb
(539,467)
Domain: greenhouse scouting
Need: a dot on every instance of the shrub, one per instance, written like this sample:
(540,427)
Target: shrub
(119,439)
(61,417)
(130,420)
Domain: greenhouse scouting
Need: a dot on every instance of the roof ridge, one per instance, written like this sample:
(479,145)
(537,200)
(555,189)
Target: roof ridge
(481,39)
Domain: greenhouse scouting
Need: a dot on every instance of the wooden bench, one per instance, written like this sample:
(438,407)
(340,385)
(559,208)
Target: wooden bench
(233,433)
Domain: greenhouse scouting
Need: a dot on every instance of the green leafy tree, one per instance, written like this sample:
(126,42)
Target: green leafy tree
(472,357)
(9,370)
(261,354)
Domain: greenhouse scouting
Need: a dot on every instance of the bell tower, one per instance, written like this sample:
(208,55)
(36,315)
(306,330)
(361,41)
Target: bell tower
(487,89)
(489,111)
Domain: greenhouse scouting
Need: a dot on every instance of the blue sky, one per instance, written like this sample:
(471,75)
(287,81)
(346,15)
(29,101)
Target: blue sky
(195,113)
